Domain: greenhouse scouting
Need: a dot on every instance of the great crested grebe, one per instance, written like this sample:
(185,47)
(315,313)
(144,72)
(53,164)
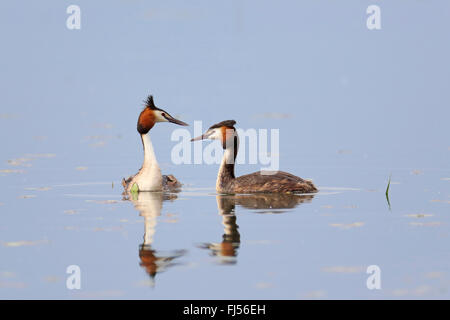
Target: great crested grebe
(275,182)
(149,177)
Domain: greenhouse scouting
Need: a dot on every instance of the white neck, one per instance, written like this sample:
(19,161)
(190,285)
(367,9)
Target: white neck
(149,178)
(226,170)
(228,158)
(149,153)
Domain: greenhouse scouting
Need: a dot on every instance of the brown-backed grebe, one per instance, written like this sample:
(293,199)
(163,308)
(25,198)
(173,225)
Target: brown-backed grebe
(149,177)
(273,182)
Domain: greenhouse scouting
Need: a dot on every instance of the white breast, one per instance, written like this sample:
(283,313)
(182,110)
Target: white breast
(149,178)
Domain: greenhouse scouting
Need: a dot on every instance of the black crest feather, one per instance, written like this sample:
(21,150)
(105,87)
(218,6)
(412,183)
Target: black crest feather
(150,104)
(226,123)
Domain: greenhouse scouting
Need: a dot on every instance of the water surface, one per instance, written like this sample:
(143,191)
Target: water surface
(354,107)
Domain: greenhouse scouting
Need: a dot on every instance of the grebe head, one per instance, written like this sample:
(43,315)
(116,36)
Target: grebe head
(152,114)
(223,131)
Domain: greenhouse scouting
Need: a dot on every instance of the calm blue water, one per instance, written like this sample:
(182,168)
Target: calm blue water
(353,107)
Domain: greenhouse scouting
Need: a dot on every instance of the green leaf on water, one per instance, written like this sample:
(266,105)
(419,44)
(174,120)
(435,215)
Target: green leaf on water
(134,191)
(134,188)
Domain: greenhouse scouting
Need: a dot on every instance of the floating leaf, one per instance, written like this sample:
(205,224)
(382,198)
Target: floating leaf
(39,189)
(426,224)
(23,243)
(11,171)
(134,192)
(27,196)
(419,215)
(444,201)
(347,226)
(102,201)
(70,211)
(20,162)
(40,155)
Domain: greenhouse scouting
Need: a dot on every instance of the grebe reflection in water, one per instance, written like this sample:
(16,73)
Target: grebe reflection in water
(227,250)
(149,205)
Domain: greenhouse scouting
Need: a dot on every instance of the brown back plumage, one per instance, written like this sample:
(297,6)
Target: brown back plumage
(279,182)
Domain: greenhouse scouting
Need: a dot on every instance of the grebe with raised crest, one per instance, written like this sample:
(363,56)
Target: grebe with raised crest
(149,177)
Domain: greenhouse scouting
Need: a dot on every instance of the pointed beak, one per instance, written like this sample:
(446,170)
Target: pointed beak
(173,120)
(202,137)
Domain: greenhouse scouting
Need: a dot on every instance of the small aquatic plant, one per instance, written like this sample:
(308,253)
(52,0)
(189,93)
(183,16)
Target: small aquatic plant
(387,192)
